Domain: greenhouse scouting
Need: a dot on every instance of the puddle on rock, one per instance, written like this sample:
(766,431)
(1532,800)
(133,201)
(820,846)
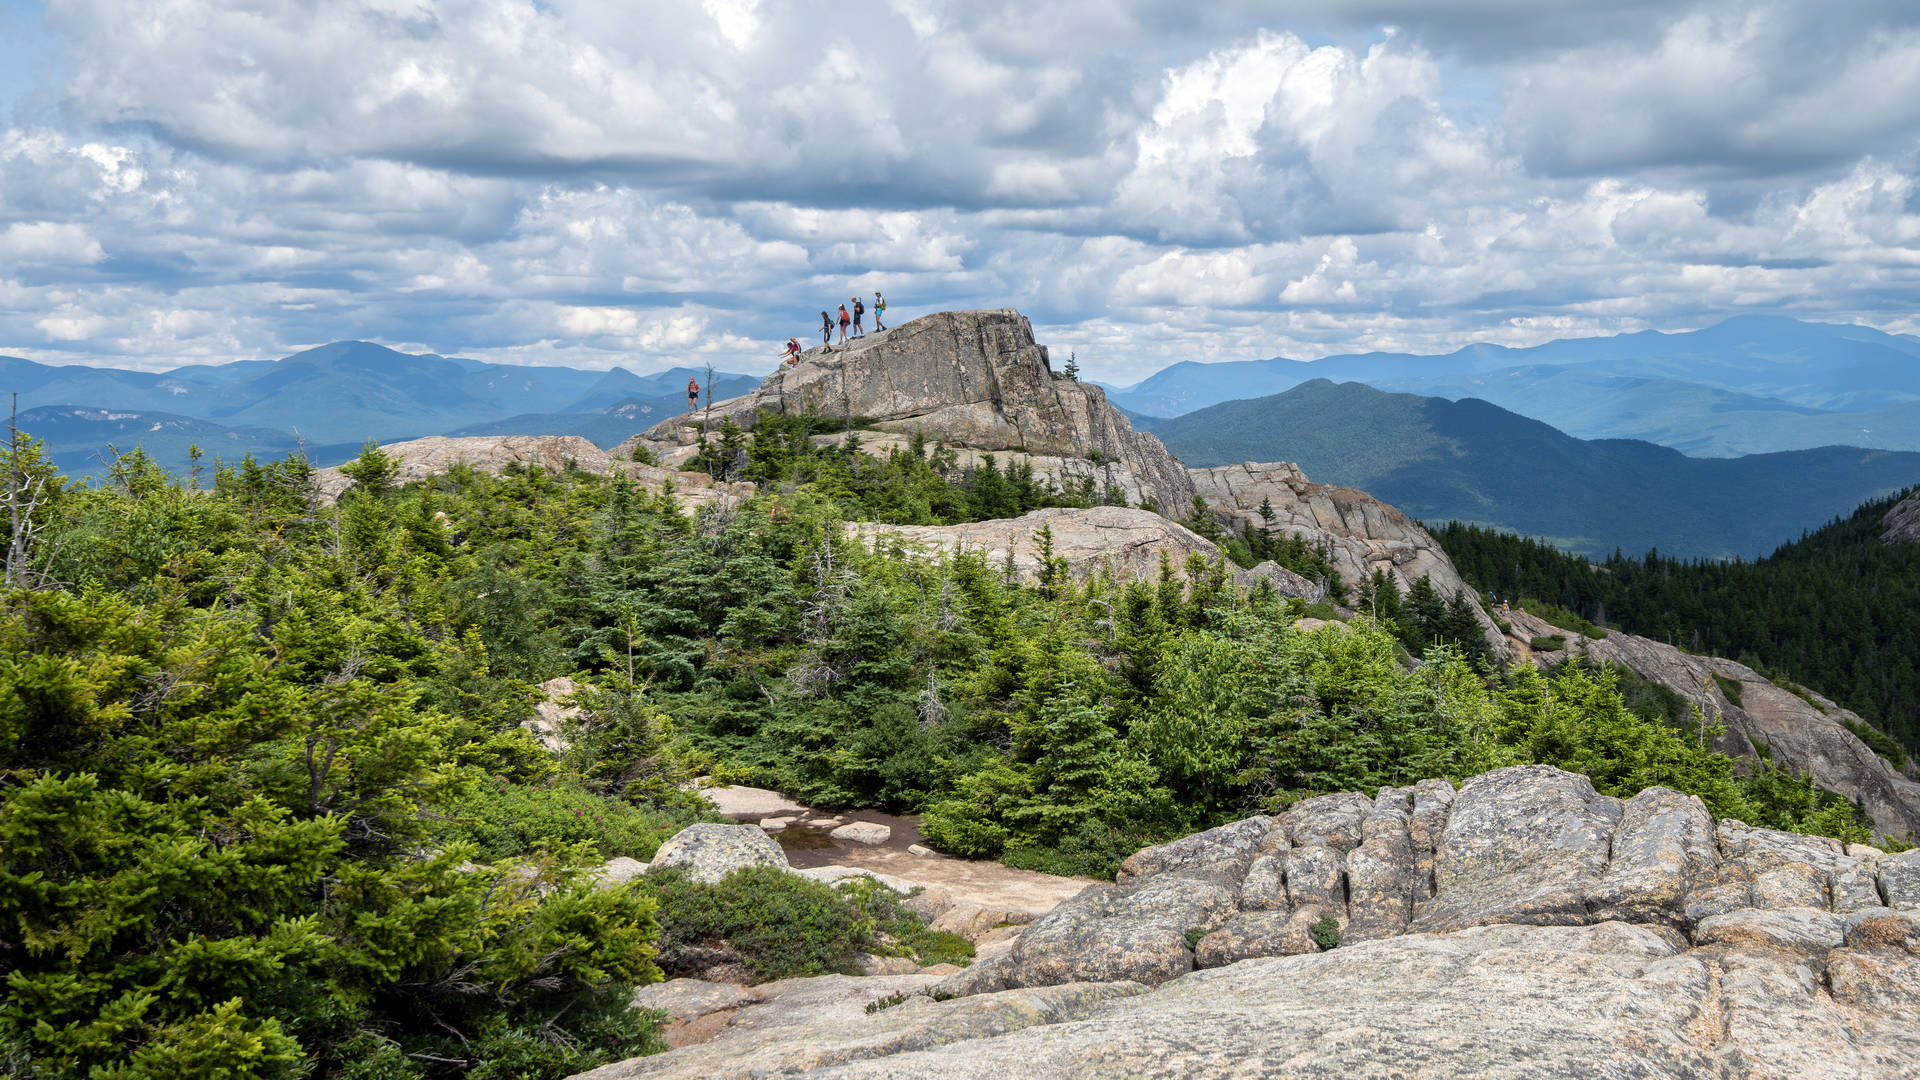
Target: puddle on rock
(804,837)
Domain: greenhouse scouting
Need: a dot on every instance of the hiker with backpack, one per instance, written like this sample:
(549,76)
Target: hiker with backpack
(844,320)
(693,395)
(859,309)
(879,311)
(793,351)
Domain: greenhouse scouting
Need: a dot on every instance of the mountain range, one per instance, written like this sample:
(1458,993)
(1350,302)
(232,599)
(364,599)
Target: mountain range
(1475,462)
(1753,384)
(328,398)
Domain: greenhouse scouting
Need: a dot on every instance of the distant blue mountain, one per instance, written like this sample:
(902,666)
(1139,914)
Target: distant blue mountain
(1748,385)
(343,393)
(1475,462)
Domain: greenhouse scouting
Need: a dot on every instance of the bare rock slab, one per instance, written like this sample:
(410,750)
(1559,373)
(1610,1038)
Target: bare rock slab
(870,833)
(1523,845)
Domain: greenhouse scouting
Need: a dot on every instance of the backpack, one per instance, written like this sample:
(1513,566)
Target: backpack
(859,309)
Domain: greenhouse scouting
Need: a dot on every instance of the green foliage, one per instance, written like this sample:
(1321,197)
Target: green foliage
(1882,743)
(1832,610)
(786,926)
(1730,687)
(500,819)
(1560,617)
(1549,643)
(1326,932)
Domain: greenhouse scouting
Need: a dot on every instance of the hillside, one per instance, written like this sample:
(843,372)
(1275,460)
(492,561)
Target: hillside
(1833,610)
(1472,461)
(1748,385)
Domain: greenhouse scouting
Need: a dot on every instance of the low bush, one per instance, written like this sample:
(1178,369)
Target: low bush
(505,820)
(1552,643)
(1562,618)
(1729,687)
(1882,743)
(787,926)
(1326,932)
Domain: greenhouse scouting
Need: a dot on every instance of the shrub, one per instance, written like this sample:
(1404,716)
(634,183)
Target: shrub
(1561,617)
(952,827)
(1552,643)
(1882,743)
(786,926)
(1194,934)
(644,456)
(1729,687)
(1326,932)
(505,820)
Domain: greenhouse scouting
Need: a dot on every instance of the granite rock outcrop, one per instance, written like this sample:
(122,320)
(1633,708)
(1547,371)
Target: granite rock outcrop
(1902,523)
(972,379)
(1521,926)
(1127,543)
(422,459)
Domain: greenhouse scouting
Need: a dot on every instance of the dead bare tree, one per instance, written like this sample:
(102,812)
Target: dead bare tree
(28,493)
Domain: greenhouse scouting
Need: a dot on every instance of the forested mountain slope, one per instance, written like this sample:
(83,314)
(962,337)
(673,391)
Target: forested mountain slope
(1833,610)
(1471,461)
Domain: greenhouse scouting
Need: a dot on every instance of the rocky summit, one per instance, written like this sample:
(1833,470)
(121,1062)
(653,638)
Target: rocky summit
(972,379)
(1520,926)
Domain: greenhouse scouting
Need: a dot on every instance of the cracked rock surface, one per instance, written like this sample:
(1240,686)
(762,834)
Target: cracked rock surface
(1521,926)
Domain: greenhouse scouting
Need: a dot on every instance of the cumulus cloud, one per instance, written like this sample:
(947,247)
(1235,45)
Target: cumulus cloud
(569,181)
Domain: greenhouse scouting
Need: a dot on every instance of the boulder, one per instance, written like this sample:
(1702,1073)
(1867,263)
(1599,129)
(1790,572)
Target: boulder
(870,833)
(1380,872)
(711,852)
(553,713)
(1900,880)
(696,1009)
(1662,848)
(1523,845)
(618,871)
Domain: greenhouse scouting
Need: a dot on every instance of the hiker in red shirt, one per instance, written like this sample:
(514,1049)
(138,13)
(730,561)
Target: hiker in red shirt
(693,395)
(844,320)
(793,351)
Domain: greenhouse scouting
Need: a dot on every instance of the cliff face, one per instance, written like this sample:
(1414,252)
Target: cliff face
(975,379)
(1903,522)
(1804,734)
(1522,926)
(1361,533)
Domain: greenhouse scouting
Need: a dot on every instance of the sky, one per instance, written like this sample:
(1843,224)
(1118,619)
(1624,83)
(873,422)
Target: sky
(691,181)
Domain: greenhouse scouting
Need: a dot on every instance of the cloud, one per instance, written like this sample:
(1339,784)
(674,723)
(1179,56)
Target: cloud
(565,181)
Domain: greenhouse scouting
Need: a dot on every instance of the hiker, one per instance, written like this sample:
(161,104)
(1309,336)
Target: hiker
(693,395)
(826,330)
(844,320)
(859,309)
(879,311)
(793,351)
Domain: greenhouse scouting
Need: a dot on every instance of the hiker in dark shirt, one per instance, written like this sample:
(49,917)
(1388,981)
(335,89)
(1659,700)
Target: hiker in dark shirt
(826,330)
(693,395)
(859,309)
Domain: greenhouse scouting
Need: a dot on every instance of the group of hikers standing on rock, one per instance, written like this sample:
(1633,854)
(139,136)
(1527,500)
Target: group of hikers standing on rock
(849,324)
(793,350)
